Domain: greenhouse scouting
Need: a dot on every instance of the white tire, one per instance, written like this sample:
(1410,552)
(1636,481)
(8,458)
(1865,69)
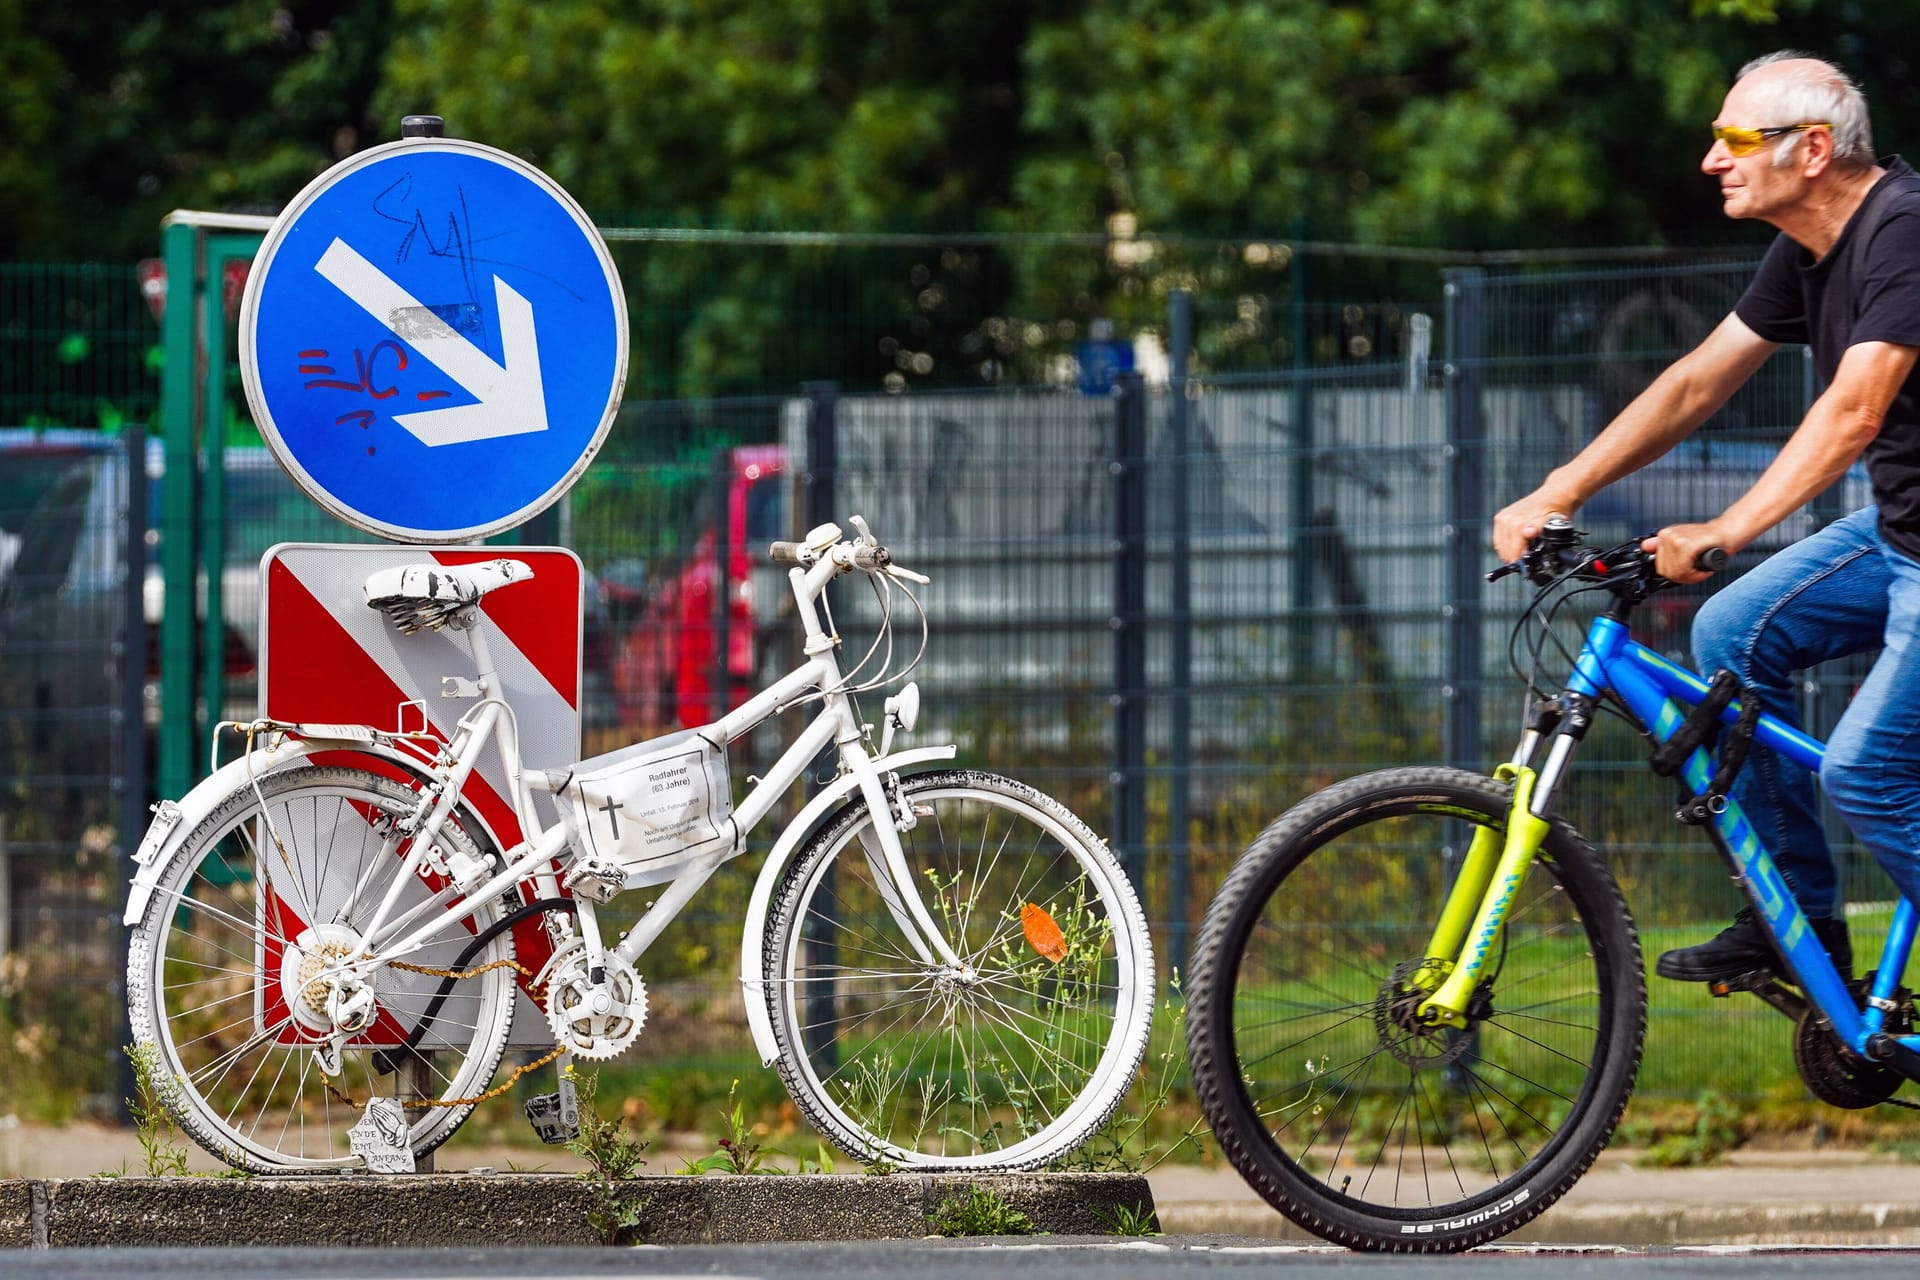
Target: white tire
(1013,1061)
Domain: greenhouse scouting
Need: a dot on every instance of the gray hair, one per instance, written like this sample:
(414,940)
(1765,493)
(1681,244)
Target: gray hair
(1823,92)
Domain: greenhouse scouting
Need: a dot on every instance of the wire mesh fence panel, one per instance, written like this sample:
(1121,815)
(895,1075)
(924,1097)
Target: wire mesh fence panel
(1273,582)
(71,773)
(77,346)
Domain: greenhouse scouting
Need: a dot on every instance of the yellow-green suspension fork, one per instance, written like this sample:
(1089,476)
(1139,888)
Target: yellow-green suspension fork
(1468,931)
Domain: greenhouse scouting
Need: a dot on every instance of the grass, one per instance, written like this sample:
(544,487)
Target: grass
(978,1212)
(1738,1046)
(1741,1046)
(1130,1220)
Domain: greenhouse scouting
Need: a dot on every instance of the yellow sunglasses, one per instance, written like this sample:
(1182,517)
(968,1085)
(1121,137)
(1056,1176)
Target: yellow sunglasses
(1743,141)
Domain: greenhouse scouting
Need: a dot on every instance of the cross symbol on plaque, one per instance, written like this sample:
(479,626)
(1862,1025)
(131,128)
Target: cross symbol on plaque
(613,818)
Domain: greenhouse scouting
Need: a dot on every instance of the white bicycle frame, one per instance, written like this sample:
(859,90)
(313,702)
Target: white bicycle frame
(871,774)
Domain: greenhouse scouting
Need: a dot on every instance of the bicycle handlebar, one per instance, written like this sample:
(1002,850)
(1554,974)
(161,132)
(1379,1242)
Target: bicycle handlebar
(864,556)
(1557,552)
(848,555)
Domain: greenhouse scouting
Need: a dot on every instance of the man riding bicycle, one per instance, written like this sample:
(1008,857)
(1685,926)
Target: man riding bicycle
(1792,147)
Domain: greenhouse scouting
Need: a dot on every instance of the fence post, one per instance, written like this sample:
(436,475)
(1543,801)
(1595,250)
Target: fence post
(818,483)
(1180,607)
(130,717)
(720,688)
(1300,466)
(1127,621)
(816,505)
(823,452)
(1467,516)
(177,738)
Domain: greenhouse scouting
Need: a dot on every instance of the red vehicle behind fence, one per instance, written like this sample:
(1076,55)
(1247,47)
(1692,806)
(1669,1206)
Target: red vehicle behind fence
(664,673)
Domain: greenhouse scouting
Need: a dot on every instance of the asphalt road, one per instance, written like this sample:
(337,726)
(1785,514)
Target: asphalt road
(955,1260)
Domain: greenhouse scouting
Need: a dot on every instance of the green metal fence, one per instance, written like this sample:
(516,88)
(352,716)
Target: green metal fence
(1180,603)
(78,347)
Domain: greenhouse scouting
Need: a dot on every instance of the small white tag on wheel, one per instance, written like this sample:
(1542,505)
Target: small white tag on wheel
(379,1138)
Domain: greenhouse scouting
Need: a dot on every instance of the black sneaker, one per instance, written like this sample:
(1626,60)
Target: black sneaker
(1744,946)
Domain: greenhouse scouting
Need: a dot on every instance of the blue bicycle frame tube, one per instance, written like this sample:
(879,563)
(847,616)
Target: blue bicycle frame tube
(1652,687)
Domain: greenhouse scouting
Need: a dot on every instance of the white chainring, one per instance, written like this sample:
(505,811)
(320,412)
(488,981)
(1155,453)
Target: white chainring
(592,1022)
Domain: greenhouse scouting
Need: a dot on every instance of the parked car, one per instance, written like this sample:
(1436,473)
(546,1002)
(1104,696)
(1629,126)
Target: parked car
(62,605)
(60,602)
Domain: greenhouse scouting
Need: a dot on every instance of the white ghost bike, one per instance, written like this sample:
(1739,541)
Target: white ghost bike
(948,969)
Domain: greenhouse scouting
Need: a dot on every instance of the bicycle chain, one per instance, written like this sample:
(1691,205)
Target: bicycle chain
(421,1104)
(460,974)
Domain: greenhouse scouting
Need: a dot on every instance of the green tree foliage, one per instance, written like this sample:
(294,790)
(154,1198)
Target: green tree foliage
(821,115)
(110,116)
(1458,123)
(1463,123)
(1504,122)
(824,113)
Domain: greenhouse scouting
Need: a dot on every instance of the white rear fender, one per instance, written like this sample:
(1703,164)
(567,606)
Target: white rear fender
(752,941)
(173,821)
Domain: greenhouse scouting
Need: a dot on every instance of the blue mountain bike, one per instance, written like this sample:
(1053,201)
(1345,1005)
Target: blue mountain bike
(1417,1005)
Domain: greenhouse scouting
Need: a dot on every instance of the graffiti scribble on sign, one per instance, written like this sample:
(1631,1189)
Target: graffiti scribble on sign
(366,379)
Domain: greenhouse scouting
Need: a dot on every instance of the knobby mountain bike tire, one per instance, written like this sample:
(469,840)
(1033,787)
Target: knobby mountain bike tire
(226,975)
(1010,1062)
(1328,1095)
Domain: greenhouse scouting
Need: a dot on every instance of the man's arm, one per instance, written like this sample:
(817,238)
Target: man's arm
(1836,430)
(1679,400)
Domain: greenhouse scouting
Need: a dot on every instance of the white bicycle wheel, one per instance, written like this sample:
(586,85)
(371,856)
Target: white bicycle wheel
(1011,1061)
(226,976)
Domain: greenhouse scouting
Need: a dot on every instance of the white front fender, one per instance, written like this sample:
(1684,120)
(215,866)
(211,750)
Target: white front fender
(173,821)
(752,951)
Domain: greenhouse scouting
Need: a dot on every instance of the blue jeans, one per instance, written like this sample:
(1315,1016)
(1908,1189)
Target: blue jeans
(1839,592)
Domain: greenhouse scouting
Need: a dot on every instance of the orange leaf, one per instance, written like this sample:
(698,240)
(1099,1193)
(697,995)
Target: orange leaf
(1043,935)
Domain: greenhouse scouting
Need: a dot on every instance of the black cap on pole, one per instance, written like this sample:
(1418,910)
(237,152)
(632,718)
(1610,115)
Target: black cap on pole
(422,127)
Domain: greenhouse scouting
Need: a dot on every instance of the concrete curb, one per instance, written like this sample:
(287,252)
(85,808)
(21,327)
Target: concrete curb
(455,1210)
(1636,1225)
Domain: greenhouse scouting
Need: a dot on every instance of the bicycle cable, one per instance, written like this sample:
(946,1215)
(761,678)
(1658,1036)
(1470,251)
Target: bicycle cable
(1546,605)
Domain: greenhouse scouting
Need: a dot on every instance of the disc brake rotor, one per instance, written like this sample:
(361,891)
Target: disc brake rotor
(1400,1031)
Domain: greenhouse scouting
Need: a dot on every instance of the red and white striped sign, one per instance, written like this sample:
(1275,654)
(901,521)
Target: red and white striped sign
(326,656)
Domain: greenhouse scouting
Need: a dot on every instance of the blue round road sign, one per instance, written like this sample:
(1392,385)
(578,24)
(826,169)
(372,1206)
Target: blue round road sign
(433,340)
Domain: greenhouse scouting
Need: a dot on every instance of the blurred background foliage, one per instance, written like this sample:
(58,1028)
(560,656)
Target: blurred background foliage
(1464,123)
(984,181)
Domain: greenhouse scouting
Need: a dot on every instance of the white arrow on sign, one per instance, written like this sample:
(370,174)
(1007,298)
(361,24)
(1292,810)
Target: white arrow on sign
(512,399)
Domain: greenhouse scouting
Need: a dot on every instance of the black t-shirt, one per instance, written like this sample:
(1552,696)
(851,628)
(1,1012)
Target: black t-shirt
(1867,289)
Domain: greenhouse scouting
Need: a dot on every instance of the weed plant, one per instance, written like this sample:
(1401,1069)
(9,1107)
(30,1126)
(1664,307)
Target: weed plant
(979,1212)
(612,1151)
(738,1152)
(1130,1220)
(613,1154)
(1138,1136)
(160,1155)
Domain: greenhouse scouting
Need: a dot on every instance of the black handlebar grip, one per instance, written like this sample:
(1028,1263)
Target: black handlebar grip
(785,552)
(1712,560)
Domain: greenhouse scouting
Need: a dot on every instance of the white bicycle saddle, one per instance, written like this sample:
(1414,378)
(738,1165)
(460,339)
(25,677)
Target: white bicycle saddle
(437,595)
